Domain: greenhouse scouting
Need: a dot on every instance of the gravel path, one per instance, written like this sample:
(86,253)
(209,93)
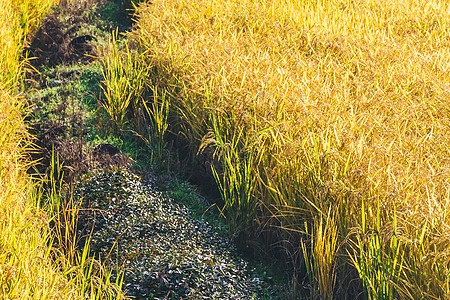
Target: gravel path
(163,249)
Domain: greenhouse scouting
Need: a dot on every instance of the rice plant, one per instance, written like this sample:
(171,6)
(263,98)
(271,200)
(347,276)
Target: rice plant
(355,95)
(124,80)
(158,114)
(379,263)
(31,264)
(86,273)
(321,259)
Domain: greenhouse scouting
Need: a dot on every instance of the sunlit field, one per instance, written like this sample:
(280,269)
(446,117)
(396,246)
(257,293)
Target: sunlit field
(327,128)
(24,254)
(32,264)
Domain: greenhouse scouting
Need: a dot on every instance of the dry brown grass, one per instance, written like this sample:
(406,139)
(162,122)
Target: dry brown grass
(354,98)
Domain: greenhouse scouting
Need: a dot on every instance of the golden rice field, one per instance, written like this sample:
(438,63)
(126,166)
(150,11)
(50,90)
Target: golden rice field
(325,123)
(32,265)
(329,123)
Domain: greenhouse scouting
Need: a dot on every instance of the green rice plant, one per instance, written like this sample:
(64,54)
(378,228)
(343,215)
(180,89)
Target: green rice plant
(235,180)
(379,263)
(239,155)
(93,280)
(158,114)
(83,271)
(124,79)
(320,261)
